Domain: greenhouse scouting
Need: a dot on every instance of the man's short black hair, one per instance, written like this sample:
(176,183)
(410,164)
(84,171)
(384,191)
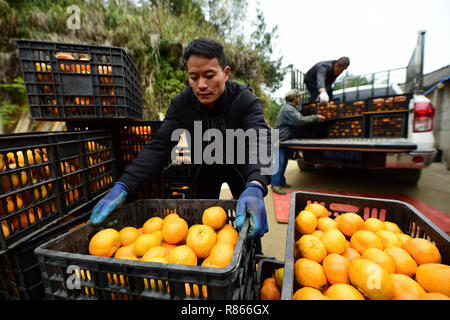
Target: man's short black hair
(206,47)
(343,62)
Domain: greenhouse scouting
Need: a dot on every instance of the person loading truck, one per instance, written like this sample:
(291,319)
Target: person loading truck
(320,78)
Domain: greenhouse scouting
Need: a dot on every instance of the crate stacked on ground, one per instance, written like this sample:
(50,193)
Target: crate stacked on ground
(46,175)
(129,138)
(20,274)
(72,82)
(269,275)
(102,278)
(396,217)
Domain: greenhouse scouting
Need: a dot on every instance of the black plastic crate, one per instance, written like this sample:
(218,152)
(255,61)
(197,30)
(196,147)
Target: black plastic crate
(20,274)
(46,175)
(408,218)
(352,109)
(69,82)
(346,128)
(129,137)
(329,110)
(389,103)
(388,125)
(266,269)
(234,282)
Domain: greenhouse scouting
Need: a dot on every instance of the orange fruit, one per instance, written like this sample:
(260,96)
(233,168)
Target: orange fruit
(145,242)
(207,263)
(221,254)
(349,223)
(182,255)
(351,254)
(317,233)
(335,267)
(311,247)
(435,296)
(152,224)
(227,234)
(126,252)
(269,292)
(201,239)
(392,226)
(174,230)
(373,224)
(404,263)
(154,259)
(422,250)
(318,210)
(371,279)
(104,243)
(215,217)
(309,273)
(434,277)
(380,257)
(343,291)
(269,281)
(305,222)
(308,293)
(388,238)
(325,223)
(170,216)
(195,290)
(168,246)
(362,240)
(128,235)
(334,240)
(156,251)
(403,237)
(405,288)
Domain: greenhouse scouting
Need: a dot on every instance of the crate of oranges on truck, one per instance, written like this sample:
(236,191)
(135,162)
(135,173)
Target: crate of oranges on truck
(154,249)
(386,124)
(355,248)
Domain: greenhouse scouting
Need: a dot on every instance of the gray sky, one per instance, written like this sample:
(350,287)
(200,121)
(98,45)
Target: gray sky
(376,35)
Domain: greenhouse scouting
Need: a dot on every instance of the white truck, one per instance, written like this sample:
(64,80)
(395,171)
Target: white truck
(371,125)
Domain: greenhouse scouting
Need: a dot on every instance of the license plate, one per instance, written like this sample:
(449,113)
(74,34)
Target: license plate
(343,155)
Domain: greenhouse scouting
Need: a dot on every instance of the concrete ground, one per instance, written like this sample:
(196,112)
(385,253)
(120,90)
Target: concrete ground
(433,188)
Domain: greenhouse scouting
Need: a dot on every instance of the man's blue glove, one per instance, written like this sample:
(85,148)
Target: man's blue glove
(113,199)
(251,201)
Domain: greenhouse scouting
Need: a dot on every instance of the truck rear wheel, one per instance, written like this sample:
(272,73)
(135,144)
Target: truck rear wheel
(304,166)
(411,176)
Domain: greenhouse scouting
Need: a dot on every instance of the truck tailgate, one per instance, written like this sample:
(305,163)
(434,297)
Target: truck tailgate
(360,144)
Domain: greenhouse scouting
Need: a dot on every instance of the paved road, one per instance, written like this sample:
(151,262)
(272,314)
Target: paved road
(433,188)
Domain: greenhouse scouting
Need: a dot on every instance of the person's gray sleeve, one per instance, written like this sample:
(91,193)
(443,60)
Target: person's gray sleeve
(321,75)
(296,119)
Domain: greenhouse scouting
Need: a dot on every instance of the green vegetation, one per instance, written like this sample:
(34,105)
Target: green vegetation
(154,33)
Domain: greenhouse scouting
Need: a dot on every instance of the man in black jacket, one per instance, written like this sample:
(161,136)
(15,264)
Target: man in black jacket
(320,78)
(210,111)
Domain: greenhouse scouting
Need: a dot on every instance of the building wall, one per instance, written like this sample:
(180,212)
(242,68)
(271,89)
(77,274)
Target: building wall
(440,98)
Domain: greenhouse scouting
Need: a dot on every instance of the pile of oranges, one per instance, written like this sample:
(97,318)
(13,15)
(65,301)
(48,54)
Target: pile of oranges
(171,240)
(349,258)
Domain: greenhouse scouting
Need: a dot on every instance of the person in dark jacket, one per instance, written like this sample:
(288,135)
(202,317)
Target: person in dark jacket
(320,78)
(206,110)
(289,121)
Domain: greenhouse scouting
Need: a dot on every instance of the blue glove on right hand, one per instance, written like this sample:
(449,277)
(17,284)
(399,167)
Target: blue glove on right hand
(113,199)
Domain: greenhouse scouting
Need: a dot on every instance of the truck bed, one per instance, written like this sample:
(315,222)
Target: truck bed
(359,144)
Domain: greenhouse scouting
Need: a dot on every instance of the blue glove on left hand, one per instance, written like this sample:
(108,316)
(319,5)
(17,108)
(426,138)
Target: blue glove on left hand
(113,199)
(251,201)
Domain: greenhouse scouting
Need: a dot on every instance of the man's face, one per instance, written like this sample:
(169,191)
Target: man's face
(207,78)
(338,69)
